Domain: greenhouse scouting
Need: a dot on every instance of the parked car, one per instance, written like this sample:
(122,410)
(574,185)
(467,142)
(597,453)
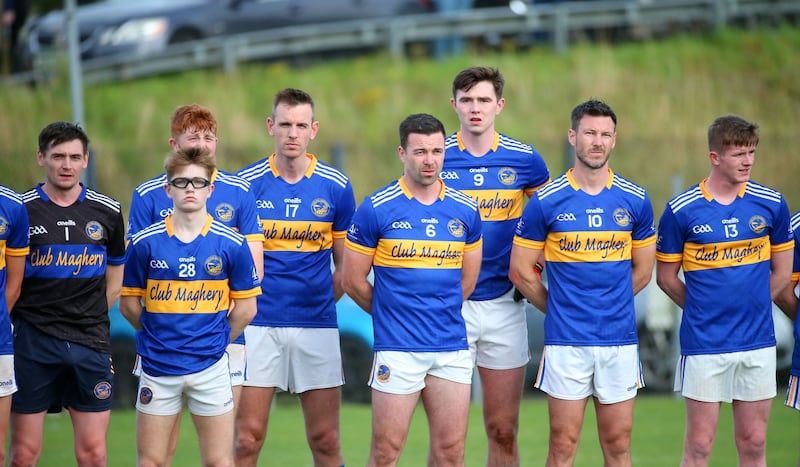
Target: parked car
(114,27)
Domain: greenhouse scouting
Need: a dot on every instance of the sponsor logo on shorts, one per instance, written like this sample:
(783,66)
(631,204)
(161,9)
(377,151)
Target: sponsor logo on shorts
(145,395)
(102,390)
(384,373)
(8,382)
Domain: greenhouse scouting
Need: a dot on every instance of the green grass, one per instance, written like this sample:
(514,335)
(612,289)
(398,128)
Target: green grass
(665,93)
(657,436)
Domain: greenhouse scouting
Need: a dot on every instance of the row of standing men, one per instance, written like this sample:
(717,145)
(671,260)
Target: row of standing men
(453,254)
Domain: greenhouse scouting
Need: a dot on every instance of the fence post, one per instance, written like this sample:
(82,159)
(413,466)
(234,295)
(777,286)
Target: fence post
(561,30)
(229,56)
(337,156)
(719,17)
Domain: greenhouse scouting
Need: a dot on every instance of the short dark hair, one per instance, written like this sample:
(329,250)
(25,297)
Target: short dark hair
(61,132)
(731,130)
(424,124)
(189,155)
(594,108)
(467,78)
(292,97)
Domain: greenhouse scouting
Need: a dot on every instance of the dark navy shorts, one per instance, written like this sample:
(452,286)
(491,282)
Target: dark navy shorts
(53,373)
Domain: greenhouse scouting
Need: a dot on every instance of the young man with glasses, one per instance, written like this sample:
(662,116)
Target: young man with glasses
(233,205)
(189,288)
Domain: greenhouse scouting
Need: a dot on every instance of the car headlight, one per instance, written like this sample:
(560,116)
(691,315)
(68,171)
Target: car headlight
(136,30)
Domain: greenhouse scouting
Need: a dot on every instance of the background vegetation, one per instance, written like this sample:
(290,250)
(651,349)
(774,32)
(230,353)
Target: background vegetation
(664,92)
(657,437)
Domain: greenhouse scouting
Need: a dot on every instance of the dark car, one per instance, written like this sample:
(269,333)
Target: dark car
(114,27)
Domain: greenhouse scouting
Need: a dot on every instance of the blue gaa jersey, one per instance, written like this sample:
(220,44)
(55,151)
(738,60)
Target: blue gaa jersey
(588,242)
(299,221)
(498,182)
(13,242)
(795,278)
(418,252)
(186,289)
(725,253)
(232,203)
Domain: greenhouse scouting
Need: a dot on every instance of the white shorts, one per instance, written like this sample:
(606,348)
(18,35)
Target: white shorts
(8,383)
(237,361)
(405,372)
(610,373)
(742,376)
(293,359)
(793,392)
(497,332)
(208,392)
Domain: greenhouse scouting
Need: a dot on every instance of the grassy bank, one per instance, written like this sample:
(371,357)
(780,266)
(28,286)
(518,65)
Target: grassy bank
(665,93)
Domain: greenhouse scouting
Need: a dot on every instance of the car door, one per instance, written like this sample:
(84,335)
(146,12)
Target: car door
(258,15)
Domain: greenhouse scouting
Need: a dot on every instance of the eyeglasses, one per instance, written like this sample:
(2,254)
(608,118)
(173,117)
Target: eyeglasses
(183,182)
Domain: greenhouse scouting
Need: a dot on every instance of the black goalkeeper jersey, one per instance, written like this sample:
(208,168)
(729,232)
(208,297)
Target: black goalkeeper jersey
(64,289)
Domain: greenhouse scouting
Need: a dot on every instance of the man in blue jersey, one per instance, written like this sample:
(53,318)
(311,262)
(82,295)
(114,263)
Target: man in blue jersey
(733,240)
(189,288)
(233,204)
(73,275)
(305,207)
(497,171)
(422,240)
(13,250)
(596,232)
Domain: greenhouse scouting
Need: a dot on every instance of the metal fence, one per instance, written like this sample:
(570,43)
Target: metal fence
(555,24)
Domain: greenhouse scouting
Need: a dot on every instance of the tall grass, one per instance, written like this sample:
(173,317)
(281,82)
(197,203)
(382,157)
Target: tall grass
(657,437)
(665,94)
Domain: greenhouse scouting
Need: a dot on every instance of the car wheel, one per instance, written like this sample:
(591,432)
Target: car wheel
(185,35)
(656,352)
(356,363)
